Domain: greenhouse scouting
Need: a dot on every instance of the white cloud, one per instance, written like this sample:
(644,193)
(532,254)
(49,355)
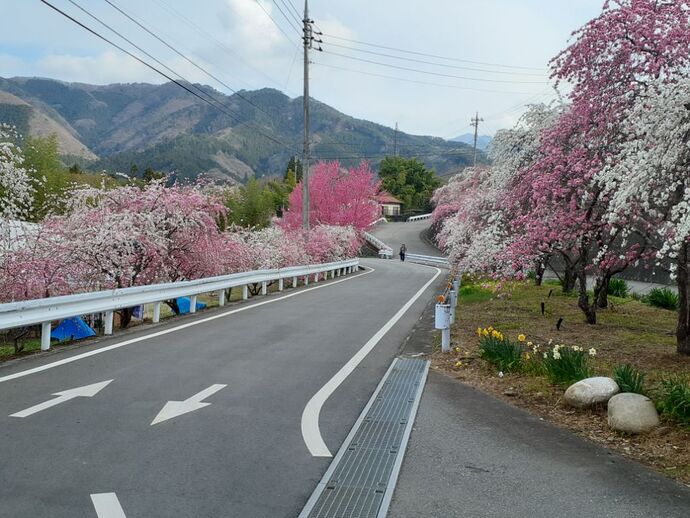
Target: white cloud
(107,67)
(251,31)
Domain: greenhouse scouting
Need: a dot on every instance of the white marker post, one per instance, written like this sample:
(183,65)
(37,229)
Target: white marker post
(156,312)
(45,336)
(442,322)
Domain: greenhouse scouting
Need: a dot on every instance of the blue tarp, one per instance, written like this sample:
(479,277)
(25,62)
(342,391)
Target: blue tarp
(72,329)
(183,304)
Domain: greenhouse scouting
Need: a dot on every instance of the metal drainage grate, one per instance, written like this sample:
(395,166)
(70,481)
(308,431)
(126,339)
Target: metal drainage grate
(360,481)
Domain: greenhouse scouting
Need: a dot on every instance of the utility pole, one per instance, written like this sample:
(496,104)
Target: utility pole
(475,122)
(307,31)
(308,40)
(395,141)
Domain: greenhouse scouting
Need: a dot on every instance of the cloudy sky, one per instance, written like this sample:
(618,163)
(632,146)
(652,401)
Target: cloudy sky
(491,55)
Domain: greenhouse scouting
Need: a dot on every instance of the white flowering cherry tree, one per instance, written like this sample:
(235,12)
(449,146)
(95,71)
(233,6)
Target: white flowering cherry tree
(649,181)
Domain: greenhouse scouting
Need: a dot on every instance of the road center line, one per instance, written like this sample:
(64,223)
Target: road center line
(78,357)
(310,416)
(107,505)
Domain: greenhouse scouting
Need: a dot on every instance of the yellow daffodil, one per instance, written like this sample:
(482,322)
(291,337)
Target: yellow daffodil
(521,338)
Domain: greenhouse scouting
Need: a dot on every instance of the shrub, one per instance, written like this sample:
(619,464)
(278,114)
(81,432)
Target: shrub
(618,288)
(662,298)
(566,365)
(499,351)
(674,400)
(629,379)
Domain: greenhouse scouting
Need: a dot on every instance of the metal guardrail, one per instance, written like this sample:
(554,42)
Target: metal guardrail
(420,217)
(385,251)
(380,220)
(44,311)
(427,259)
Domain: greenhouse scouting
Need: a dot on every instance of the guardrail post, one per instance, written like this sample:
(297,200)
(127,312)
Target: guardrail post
(156,312)
(221,298)
(332,274)
(453,303)
(264,288)
(192,304)
(442,322)
(316,277)
(245,292)
(306,280)
(45,336)
(294,282)
(108,323)
(280,284)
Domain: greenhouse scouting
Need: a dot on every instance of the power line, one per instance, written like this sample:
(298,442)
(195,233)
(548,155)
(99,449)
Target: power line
(292,7)
(210,102)
(287,16)
(218,43)
(275,22)
(183,56)
(433,73)
(414,81)
(445,65)
(433,55)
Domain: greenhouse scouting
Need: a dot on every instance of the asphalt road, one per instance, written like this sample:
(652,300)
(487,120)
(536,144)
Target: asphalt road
(395,234)
(244,454)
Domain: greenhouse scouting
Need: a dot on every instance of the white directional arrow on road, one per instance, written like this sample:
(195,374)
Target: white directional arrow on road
(177,408)
(65,395)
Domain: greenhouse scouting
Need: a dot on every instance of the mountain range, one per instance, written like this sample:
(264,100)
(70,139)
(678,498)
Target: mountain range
(249,133)
(483,141)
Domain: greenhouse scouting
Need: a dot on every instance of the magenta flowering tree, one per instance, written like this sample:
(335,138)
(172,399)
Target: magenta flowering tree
(631,43)
(338,197)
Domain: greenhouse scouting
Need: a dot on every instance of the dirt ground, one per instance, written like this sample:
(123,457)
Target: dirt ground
(628,332)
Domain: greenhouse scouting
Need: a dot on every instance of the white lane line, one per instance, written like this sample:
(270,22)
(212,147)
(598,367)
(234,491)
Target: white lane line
(78,357)
(107,505)
(65,395)
(174,409)
(310,416)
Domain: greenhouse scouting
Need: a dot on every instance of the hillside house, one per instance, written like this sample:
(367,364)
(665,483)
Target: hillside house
(389,205)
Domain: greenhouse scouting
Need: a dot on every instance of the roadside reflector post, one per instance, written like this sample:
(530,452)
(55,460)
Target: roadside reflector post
(108,323)
(442,322)
(45,336)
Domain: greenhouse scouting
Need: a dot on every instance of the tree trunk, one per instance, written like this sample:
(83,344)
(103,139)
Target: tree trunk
(683,328)
(601,290)
(569,279)
(125,317)
(590,310)
(172,304)
(539,269)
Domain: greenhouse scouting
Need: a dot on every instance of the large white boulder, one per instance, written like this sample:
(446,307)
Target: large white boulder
(590,391)
(632,413)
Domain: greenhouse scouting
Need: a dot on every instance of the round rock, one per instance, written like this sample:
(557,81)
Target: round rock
(632,413)
(590,391)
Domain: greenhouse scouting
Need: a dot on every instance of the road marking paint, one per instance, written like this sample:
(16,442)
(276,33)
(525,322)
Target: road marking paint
(310,416)
(78,357)
(107,505)
(64,396)
(174,409)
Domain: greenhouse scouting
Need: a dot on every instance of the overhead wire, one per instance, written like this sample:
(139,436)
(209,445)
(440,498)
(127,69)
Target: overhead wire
(444,65)
(176,51)
(290,16)
(274,22)
(438,74)
(432,55)
(190,89)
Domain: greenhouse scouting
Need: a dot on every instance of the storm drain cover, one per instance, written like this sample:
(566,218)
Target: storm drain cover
(360,481)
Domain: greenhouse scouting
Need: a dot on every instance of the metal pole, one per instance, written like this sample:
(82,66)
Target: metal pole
(305,149)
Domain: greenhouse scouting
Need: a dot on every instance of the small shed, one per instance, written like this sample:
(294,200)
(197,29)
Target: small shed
(389,205)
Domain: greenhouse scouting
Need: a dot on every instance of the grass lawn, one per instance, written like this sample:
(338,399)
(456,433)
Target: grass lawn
(629,331)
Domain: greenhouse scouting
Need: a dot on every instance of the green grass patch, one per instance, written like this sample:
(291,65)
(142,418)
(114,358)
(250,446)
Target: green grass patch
(473,293)
(662,298)
(629,378)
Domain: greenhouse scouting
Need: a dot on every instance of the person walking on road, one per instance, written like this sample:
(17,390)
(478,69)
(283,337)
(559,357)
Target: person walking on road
(403,251)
